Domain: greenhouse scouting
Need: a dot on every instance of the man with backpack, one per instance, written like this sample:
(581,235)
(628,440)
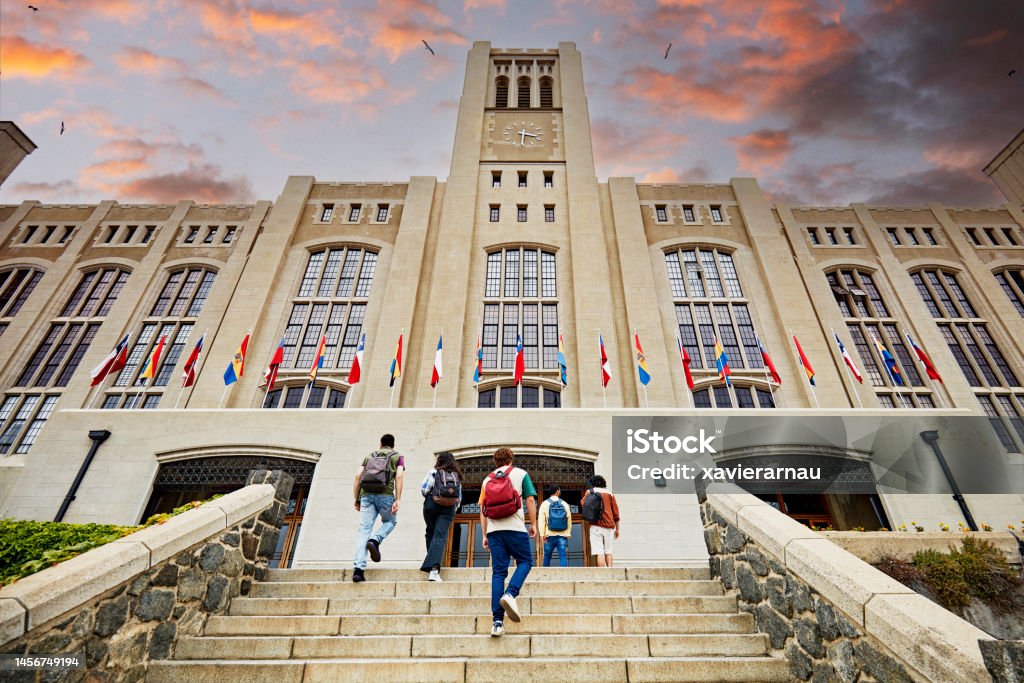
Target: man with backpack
(378,491)
(442,491)
(505,533)
(555,525)
(602,511)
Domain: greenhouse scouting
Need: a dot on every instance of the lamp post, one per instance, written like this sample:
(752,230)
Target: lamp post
(98,436)
(931,437)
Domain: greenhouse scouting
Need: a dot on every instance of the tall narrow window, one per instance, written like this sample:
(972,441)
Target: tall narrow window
(982,361)
(495,178)
(812,234)
(869,318)
(1011,239)
(688,214)
(990,233)
(549,179)
(523,88)
(1012,282)
(172,316)
(716,214)
(972,233)
(850,239)
(193,232)
(521,213)
(501,92)
(495,213)
(353,213)
(523,175)
(520,300)
(549,213)
(929,236)
(912,237)
(831,234)
(547,99)
(660,213)
(382,213)
(894,237)
(326,213)
(16,285)
(710,304)
(27,406)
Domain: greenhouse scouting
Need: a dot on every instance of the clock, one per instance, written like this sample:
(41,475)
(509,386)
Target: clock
(524,134)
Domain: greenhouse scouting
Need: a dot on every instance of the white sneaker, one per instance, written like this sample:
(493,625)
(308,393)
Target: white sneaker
(511,608)
(498,629)
(435,575)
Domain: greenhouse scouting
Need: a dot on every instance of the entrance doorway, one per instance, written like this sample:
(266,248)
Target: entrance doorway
(465,540)
(183,481)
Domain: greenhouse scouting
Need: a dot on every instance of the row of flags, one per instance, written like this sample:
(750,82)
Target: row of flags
(118,358)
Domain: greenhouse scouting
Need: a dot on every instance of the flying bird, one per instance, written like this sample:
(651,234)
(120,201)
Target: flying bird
(1012,71)
(429,49)
(33,8)
(667,49)
(62,128)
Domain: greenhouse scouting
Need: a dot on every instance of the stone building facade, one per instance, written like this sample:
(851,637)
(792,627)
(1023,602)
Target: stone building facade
(520,240)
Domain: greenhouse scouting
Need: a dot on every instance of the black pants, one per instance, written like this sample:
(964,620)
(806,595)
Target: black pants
(439,520)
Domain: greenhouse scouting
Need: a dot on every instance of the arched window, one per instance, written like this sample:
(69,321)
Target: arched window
(523,89)
(529,395)
(16,284)
(303,396)
(547,99)
(746,396)
(985,367)
(501,92)
(172,319)
(520,299)
(867,319)
(1012,282)
(331,302)
(710,305)
(26,407)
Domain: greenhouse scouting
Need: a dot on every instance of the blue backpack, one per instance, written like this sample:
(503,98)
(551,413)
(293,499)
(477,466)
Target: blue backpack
(558,517)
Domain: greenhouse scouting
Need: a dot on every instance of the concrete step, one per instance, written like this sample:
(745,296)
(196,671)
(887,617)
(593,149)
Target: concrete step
(467,624)
(484,574)
(481,605)
(425,589)
(389,647)
(462,670)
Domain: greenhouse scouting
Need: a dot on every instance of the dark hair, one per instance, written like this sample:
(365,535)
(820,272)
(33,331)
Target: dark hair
(387,441)
(447,462)
(551,489)
(598,481)
(503,457)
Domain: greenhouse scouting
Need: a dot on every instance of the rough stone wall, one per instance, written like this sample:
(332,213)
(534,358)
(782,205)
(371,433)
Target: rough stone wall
(819,642)
(121,631)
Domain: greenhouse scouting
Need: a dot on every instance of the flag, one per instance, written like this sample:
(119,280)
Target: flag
(188,377)
(520,367)
(318,359)
(606,368)
(478,365)
(435,377)
(766,359)
(685,357)
(396,363)
(849,361)
(890,362)
(237,365)
(928,367)
(641,362)
(804,362)
(270,376)
(149,369)
(563,367)
(722,362)
(114,361)
(357,362)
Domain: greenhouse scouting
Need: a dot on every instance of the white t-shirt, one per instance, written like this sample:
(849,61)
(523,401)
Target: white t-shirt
(515,522)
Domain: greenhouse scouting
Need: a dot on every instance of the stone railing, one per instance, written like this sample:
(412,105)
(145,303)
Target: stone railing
(124,604)
(870,545)
(832,615)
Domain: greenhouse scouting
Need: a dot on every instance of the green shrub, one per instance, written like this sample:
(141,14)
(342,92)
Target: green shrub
(977,569)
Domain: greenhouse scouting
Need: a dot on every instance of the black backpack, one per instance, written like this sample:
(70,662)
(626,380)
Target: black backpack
(447,489)
(593,506)
(377,472)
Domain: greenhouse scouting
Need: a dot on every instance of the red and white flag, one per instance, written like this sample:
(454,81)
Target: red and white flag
(114,361)
(270,375)
(435,376)
(357,363)
(606,368)
(685,358)
(188,377)
(849,361)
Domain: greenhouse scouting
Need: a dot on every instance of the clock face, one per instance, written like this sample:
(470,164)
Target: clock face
(523,134)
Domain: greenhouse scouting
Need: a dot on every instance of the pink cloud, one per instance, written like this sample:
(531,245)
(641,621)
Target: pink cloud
(141,60)
(25,59)
(762,150)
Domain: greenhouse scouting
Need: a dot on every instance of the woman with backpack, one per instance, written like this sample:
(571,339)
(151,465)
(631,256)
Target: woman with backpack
(442,491)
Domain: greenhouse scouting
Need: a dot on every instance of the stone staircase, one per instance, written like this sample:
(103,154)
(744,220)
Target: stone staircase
(593,624)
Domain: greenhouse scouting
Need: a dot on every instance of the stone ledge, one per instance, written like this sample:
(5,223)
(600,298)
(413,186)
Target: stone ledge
(930,638)
(772,530)
(63,587)
(729,498)
(868,545)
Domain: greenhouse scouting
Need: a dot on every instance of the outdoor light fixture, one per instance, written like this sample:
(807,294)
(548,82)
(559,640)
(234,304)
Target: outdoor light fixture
(931,437)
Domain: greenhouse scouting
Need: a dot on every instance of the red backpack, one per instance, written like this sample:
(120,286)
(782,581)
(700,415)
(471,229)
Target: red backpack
(501,499)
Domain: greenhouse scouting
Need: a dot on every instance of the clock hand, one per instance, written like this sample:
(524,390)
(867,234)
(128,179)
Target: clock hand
(532,135)
(522,137)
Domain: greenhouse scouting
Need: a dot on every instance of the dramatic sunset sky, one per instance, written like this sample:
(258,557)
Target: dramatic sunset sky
(826,102)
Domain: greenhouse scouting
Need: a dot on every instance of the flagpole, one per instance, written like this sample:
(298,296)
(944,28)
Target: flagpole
(433,400)
(888,371)
(814,394)
(849,372)
(764,365)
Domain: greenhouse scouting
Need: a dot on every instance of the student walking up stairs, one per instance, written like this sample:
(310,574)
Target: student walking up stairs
(595,624)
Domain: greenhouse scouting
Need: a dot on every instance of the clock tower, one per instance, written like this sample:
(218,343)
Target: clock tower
(522,196)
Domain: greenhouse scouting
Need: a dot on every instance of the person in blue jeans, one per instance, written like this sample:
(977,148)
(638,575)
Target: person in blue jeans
(556,538)
(371,504)
(507,538)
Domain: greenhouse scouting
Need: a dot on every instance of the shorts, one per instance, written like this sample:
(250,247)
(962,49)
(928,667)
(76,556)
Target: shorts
(601,540)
